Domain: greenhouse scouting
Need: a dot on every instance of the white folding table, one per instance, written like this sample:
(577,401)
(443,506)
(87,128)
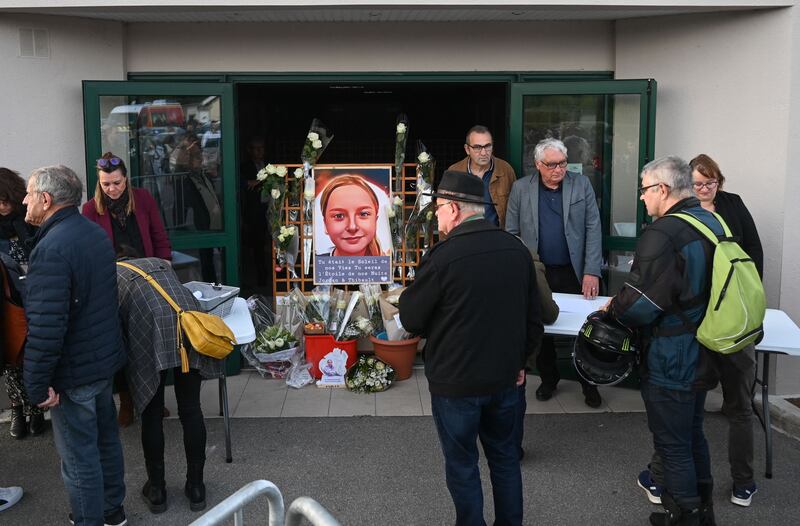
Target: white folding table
(781,336)
(241,324)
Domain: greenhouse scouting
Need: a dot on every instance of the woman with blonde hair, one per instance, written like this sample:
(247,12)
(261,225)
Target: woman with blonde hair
(350,209)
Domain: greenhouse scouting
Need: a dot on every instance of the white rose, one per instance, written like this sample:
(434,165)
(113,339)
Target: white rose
(270,169)
(312,136)
(401,128)
(424,157)
(281,237)
(309,195)
(275,193)
(279,342)
(261,175)
(390,212)
(281,170)
(398,201)
(292,230)
(316,144)
(298,173)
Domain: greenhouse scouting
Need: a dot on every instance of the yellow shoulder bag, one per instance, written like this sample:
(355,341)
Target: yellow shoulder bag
(207,333)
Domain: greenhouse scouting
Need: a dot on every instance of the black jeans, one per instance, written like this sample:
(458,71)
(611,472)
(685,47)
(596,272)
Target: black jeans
(561,279)
(187,394)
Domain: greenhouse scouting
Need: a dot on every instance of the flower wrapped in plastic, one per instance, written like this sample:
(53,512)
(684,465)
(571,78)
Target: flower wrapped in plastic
(371,293)
(422,220)
(277,343)
(369,375)
(317,139)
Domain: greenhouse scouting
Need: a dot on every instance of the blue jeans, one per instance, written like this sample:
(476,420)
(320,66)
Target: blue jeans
(460,421)
(676,420)
(87,439)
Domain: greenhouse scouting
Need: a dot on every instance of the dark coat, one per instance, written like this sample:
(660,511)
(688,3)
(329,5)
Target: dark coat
(475,300)
(148,218)
(735,214)
(669,283)
(73,327)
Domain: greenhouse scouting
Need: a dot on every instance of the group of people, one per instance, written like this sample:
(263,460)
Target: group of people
(90,319)
(484,330)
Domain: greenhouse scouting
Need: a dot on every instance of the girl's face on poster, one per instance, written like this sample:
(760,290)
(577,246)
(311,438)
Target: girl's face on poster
(350,220)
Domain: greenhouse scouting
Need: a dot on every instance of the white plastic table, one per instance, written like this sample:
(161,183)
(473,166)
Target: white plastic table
(781,336)
(240,323)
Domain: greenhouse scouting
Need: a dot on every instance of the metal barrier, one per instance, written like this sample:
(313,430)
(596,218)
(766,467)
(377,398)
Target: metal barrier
(302,507)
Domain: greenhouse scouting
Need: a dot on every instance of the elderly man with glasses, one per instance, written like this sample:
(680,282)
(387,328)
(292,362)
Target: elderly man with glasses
(555,213)
(496,174)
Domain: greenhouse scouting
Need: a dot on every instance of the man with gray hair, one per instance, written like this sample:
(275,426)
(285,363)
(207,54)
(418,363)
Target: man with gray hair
(555,213)
(74,344)
(665,299)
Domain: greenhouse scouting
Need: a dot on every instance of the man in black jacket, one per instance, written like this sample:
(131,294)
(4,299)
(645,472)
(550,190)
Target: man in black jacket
(475,300)
(74,343)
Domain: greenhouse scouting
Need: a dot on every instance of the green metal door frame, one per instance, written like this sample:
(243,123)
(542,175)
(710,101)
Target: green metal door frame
(229,237)
(645,88)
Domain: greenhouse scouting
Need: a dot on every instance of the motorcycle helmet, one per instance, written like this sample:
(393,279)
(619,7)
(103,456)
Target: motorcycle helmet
(604,352)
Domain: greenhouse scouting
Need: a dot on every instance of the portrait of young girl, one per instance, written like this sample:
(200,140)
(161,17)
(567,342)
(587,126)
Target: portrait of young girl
(351,221)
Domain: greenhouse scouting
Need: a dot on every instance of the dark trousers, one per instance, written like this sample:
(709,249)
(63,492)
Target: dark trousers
(460,422)
(187,394)
(522,406)
(737,376)
(676,420)
(561,279)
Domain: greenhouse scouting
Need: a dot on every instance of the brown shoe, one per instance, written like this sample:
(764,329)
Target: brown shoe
(125,416)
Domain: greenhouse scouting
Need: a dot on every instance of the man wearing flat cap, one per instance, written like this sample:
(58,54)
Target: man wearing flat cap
(480,324)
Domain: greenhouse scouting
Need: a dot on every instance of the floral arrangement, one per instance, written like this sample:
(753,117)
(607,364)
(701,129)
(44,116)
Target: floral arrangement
(369,375)
(422,219)
(401,136)
(360,327)
(286,236)
(274,339)
(371,292)
(316,141)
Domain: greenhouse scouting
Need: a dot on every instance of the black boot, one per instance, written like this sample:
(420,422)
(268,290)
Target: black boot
(19,427)
(154,491)
(37,424)
(675,514)
(195,490)
(705,489)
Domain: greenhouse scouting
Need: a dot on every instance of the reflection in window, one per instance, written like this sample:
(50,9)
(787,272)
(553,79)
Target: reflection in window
(173,149)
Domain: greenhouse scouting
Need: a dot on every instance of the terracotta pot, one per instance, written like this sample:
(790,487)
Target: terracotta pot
(399,354)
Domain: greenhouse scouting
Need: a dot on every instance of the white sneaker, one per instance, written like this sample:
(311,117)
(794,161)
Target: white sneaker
(9,497)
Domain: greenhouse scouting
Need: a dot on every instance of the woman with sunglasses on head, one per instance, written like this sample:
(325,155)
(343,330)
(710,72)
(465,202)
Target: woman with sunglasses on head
(131,218)
(15,238)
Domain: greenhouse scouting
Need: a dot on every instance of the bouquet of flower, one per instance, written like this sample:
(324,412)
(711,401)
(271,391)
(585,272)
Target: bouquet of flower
(337,310)
(372,293)
(274,339)
(273,189)
(422,219)
(369,375)
(360,327)
(401,136)
(317,139)
(319,305)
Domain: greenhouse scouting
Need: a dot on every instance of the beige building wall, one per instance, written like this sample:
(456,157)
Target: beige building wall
(725,88)
(378,47)
(41,99)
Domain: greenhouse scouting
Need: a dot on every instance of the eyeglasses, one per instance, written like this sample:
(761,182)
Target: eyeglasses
(478,147)
(438,205)
(708,185)
(643,189)
(112,162)
(553,166)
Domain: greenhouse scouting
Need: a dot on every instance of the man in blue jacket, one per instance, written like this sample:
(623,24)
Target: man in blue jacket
(74,343)
(665,298)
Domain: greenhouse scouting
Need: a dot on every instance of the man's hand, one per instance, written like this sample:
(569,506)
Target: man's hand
(591,286)
(52,399)
(521,377)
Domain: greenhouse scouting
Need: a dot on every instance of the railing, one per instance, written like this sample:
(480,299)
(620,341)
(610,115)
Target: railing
(302,507)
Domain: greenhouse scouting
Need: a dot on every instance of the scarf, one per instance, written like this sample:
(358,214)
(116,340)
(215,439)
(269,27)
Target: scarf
(118,208)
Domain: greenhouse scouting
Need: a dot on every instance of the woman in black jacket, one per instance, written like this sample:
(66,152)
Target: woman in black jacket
(737,370)
(15,238)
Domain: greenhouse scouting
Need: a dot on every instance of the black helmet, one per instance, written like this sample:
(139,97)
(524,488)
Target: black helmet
(604,352)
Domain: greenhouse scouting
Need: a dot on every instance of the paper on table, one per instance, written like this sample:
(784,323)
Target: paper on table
(576,303)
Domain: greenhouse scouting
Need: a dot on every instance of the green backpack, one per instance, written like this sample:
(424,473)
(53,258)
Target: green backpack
(735,314)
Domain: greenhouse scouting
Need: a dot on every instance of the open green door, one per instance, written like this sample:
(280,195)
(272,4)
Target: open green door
(609,130)
(178,142)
